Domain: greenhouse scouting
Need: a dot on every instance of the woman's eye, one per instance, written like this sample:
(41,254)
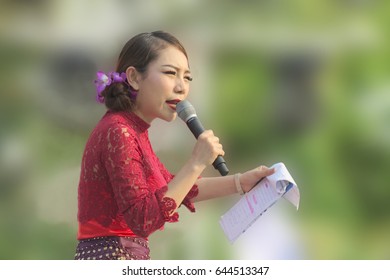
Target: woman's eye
(174,73)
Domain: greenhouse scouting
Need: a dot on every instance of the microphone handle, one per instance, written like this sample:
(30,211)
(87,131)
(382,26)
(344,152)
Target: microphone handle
(220,164)
(197,128)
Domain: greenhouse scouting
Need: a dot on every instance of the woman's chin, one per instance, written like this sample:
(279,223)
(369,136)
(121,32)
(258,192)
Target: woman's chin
(169,118)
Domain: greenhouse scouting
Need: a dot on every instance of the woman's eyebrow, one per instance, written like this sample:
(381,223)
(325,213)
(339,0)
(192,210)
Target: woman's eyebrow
(176,68)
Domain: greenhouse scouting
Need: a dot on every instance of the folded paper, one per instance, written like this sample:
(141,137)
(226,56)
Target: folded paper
(258,200)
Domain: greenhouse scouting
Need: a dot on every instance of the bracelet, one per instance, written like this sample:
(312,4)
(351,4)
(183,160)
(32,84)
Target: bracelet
(238,184)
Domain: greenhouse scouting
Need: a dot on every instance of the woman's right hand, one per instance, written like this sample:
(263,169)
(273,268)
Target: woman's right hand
(207,148)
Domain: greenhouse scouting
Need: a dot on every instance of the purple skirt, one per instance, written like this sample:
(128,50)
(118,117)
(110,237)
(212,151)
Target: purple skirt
(113,248)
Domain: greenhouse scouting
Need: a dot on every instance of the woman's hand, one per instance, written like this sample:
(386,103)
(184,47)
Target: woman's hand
(251,177)
(207,148)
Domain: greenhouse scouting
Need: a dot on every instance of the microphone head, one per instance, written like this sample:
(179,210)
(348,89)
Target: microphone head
(185,110)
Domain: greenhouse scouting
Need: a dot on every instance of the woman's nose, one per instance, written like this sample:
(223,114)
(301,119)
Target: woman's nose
(180,86)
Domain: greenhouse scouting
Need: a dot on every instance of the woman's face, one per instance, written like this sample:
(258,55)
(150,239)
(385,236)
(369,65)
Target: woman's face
(165,83)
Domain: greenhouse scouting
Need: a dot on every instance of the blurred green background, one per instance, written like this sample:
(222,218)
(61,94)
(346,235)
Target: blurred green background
(302,82)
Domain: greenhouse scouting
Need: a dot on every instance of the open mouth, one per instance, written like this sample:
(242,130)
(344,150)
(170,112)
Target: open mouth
(172,103)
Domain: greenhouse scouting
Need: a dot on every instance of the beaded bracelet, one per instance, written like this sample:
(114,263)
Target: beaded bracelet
(238,183)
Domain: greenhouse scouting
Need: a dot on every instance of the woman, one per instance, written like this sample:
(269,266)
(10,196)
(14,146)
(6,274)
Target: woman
(125,193)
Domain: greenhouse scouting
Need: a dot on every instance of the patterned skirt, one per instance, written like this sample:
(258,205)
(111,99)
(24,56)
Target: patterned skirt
(113,248)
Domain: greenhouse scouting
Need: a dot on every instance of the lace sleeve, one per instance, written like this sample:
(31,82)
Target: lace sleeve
(187,200)
(144,207)
(191,194)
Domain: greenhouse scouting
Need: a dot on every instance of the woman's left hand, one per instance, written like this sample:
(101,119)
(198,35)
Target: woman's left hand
(251,177)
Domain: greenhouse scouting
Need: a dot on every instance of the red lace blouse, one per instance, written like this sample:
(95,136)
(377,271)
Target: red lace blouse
(122,181)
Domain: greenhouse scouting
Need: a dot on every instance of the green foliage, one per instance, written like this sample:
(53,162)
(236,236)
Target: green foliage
(329,125)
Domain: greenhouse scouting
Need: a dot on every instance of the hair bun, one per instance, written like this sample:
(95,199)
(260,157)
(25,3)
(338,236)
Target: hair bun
(117,97)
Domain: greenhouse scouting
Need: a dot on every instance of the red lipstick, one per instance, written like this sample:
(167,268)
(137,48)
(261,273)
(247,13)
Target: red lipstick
(172,103)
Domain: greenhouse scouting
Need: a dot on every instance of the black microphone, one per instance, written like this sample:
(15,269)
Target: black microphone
(187,113)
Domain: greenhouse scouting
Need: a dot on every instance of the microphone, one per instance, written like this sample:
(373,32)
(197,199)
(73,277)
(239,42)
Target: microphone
(187,113)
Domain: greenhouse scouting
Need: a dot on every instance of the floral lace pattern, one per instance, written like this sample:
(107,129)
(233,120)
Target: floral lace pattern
(122,181)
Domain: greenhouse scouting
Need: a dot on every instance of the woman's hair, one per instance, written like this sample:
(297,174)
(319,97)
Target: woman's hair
(138,52)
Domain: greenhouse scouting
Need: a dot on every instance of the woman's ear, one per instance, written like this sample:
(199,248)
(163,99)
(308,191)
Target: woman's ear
(133,77)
